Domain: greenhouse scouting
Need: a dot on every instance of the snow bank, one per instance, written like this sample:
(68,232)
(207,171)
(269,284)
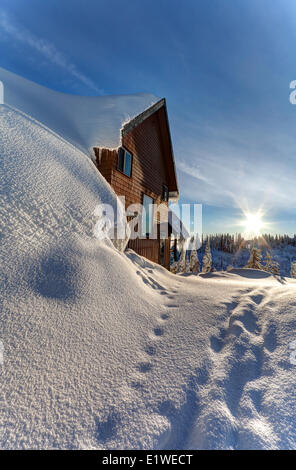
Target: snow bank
(64,328)
(85,121)
(108,351)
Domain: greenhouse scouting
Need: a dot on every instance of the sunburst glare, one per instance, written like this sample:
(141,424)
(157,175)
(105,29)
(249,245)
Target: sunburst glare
(253,224)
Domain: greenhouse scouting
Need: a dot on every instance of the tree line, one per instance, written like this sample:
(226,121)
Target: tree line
(189,260)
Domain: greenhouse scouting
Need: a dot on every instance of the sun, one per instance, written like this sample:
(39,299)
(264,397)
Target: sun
(253,224)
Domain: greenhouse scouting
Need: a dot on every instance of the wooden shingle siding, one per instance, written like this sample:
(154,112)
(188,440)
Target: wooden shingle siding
(148,170)
(104,160)
(147,248)
(149,144)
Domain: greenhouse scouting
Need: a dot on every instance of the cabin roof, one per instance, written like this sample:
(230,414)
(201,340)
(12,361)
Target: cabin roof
(87,122)
(169,153)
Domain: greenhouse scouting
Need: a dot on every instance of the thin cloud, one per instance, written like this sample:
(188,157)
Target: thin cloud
(192,170)
(239,165)
(45,48)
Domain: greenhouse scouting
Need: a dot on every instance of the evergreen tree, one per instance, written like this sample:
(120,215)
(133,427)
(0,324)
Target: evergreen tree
(182,260)
(275,268)
(174,267)
(187,266)
(268,262)
(194,262)
(271,265)
(254,260)
(293,269)
(207,259)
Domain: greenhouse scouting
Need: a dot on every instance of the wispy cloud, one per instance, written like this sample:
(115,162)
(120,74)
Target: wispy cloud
(45,48)
(234,168)
(193,170)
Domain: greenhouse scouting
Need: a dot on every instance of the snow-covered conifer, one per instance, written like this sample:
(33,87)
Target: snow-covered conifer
(271,265)
(187,266)
(293,269)
(174,267)
(255,258)
(207,259)
(268,262)
(182,260)
(194,262)
(275,268)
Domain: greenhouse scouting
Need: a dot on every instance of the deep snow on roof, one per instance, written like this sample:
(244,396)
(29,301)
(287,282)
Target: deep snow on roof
(85,121)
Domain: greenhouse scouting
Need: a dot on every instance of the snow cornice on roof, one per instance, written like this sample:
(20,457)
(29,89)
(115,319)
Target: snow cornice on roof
(136,121)
(87,122)
(84,121)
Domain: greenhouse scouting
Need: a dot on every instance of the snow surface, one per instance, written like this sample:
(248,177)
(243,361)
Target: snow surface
(106,350)
(85,121)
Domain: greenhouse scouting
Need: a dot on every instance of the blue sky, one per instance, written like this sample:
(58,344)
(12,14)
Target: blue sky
(224,67)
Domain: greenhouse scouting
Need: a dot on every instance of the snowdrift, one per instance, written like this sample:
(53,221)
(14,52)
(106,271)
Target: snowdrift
(59,314)
(85,121)
(110,351)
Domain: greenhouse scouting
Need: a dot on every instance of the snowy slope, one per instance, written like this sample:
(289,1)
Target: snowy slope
(61,322)
(85,121)
(104,350)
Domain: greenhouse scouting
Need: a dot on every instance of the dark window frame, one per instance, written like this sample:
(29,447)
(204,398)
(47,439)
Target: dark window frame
(125,150)
(165,189)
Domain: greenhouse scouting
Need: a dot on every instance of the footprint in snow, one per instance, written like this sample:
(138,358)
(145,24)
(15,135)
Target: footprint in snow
(158,331)
(137,385)
(270,337)
(107,427)
(216,344)
(150,350)
(257,298)
(144,367)
(248,318)
(164,316)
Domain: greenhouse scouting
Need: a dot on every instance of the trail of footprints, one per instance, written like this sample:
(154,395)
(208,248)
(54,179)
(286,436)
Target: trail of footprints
(158,331)
(247,329)
(244,315)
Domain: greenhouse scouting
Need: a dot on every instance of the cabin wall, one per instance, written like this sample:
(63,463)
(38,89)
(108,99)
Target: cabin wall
(148,167)
(150,249)
(149,173)
(147,248)
(104,161)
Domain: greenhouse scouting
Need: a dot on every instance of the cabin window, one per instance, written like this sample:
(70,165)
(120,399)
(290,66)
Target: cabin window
(165,193)
(124,162)
(147,217)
